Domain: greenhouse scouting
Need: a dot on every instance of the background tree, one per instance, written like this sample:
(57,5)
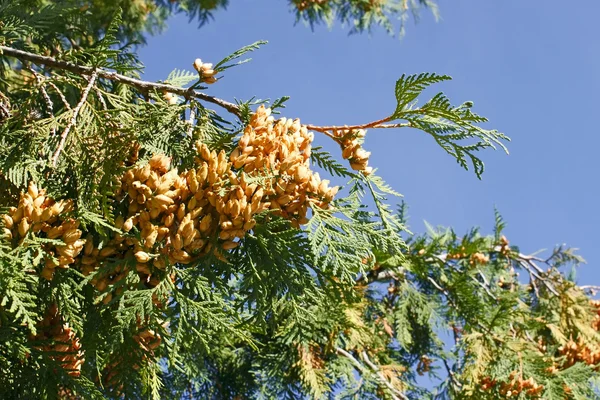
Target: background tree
(155,247)
(148,16)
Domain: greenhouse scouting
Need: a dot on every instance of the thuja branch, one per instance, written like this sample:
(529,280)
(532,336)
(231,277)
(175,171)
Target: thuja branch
(143,86)
(146,86)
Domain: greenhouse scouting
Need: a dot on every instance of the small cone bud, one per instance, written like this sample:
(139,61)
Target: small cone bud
(142,257)
(32,189)
(8,221)
(198,64)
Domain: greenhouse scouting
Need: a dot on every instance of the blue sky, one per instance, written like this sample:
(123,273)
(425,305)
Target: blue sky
(531,67)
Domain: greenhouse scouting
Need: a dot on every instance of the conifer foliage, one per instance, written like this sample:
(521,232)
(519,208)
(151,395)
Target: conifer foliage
(159,242)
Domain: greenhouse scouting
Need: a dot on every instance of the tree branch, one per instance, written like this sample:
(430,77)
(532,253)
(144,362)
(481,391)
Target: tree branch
(143,86)
(146,86)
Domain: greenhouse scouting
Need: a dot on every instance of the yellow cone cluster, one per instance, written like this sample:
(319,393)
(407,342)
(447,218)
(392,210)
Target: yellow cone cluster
(39,215)
(514,387)
(61,341)
(350,141)
(170,98)
(461,253)
(504,246)
(148,340)
(180,214)
(279,151)
(174,219)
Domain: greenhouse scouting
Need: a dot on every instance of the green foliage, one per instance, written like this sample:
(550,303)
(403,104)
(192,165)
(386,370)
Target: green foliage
(223,64)
(363,15)
(449,125)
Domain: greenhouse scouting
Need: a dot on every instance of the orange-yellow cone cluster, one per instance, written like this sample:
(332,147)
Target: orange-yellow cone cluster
(279,150)
(515,386)
(61,341)
(179,215)
(479,258)
(174,220)
(39,215)
(579,351)
(350,141)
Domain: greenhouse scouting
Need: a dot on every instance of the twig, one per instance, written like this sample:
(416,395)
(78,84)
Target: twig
(73,120)
(190,121)
(353,360)
(146,86)
(451,374)
(486,288)
(396,394)
(381,275)
(60,94)
(441,289)
(100,98)
(528,267)
(592,288)
(4,107)
(47,99)
(143,86)
(375,368)
(526,261)
(535,288)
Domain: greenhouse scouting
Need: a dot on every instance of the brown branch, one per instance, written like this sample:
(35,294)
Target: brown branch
(381,123)
(143,86)
(73,120)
